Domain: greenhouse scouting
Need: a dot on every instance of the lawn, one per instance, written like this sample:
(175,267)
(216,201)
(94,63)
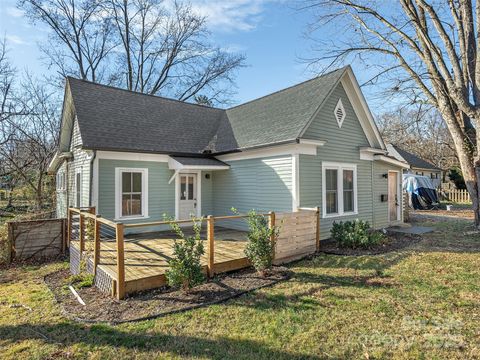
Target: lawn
(422,302)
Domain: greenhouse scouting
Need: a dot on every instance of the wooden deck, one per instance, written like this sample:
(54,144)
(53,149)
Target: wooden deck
(146,256)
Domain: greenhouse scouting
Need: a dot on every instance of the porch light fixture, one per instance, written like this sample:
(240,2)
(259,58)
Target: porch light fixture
(385,176)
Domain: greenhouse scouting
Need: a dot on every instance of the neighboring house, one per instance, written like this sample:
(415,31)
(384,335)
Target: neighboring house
(418,166)
(136,157)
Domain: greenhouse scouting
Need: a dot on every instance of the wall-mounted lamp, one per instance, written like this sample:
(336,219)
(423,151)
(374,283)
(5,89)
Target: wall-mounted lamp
(385,176)
(207,176)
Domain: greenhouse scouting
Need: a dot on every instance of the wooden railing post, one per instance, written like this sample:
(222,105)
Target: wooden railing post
(317,235)
(211,245)
(271,225)
(96,245)
(81,232)
(69,226)
(120,261)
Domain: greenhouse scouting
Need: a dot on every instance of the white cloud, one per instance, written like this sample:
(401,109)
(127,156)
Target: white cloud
(14,12)
(231,15)
(17,40)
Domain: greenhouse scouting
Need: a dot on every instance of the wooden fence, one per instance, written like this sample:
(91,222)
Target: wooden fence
(35,239)
(455,195)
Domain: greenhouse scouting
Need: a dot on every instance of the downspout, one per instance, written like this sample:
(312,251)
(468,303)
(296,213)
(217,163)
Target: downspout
(90,193)
(373,194)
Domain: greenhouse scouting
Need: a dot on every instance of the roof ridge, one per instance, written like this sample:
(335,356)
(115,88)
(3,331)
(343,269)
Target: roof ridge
(289,87)
(144,94)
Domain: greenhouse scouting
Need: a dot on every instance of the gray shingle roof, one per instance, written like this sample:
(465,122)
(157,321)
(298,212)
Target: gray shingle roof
(415,161)
(114,119)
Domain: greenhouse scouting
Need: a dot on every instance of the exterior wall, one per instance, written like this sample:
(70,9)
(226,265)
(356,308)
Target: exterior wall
(80,161)
(161,194)
(263,184)
(380,186)
(207,193)
(61,195)
(343,147)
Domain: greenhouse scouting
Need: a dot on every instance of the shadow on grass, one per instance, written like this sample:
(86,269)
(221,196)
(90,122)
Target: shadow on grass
(67,334)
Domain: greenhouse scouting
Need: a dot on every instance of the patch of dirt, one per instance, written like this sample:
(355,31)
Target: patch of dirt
(155,303)
(441,215)
(394,242)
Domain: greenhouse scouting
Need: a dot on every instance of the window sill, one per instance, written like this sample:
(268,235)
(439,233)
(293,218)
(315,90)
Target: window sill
(328,216)
(128,218)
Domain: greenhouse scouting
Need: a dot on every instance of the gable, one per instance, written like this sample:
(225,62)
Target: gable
(325,125)
(67,122)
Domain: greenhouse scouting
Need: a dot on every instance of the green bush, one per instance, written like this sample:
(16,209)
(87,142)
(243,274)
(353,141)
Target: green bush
(260,249)
(185,269)
(356,234)
(81,280)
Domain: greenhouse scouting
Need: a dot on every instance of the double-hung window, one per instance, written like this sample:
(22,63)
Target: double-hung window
(61,181)
(131,193)
(339,189)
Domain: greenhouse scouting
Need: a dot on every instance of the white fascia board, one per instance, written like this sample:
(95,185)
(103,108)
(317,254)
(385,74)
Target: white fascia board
(289,149)
(391,161)
(367,153)
(176,165)
(57,161)
(312,142)
(132,156)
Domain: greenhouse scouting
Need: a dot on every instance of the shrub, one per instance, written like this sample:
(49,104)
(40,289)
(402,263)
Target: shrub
(185,269)
(355,234)
(260,249)
(81,280)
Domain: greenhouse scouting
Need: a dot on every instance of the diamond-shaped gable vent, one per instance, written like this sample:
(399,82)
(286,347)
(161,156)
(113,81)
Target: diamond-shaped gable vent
(339,113)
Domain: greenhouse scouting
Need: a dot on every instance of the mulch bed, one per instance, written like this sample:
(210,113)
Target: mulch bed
(394,242)
(101,308)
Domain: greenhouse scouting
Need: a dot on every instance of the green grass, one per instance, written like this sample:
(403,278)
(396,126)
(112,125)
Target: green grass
(421,303)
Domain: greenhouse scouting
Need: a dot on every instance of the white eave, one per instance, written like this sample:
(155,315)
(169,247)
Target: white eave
(176,165)
(57,160)
(391,161)
(368,153)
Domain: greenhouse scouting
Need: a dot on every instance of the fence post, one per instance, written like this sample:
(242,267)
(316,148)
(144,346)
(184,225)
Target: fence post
(69,226)
(271,225)
(211,245)
(317,234)
(96,245)
(120,262)
(81,233)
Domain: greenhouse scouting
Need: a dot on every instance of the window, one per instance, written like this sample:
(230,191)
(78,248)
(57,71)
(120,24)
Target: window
(61,181)
(340,189)
(131,193)
(78,189)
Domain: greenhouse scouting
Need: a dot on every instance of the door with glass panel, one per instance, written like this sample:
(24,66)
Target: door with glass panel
(187,196)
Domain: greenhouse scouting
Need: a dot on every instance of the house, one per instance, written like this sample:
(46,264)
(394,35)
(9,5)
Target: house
(136,157)
(418,166)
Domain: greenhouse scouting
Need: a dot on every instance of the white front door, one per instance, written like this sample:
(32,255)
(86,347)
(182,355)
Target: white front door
(393,197)
(187,196)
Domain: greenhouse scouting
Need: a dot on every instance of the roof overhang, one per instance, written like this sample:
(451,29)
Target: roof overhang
(368,153)
(179,165)
(57,161)
(391,161)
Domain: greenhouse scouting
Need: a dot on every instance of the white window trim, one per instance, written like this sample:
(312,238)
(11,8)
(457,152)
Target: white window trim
(61,181)
(339,167)
(78,171)
(118,193)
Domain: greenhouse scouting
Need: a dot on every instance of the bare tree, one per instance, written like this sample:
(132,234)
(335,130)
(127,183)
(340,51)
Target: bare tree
(158,48)
(81,37)
(165,51)
(430,47)
(420,131)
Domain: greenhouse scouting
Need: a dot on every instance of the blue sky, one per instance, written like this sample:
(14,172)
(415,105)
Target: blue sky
(269,32)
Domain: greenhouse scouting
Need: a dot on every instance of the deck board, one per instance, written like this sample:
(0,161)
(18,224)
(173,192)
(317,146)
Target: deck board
(146,256)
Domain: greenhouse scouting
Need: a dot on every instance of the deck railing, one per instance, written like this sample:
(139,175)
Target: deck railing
(88,214)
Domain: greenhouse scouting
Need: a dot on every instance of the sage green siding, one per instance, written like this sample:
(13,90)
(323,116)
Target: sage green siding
(161,194)
(263,184)
(342,147)
(207,196)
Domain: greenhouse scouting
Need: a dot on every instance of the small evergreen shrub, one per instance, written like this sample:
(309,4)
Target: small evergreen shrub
(355,234)
(185,269)
(260,249)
